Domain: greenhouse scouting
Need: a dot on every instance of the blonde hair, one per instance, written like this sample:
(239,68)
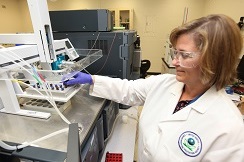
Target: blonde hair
(219,40)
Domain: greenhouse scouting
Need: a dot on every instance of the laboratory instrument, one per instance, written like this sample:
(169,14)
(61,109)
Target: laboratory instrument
(121,50)
(33,70)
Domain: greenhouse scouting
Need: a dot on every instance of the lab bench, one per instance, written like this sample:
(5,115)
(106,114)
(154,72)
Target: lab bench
(86,110)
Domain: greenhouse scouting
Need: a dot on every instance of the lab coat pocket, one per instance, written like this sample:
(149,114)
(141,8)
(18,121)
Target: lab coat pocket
(149,148)
(144,154)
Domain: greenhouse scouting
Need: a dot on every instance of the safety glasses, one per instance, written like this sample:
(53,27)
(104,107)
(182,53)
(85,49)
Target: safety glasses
(186,59)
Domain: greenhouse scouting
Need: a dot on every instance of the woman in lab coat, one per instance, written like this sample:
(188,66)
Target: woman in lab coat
(186,117)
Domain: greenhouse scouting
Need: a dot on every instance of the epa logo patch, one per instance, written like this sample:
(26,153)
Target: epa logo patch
(190,143)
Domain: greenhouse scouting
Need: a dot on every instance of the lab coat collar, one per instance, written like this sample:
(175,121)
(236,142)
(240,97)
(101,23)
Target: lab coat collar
(179,116)
(207,98)
(200,105)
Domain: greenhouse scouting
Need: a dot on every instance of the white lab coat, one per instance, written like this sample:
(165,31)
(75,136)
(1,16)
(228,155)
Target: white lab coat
(212,121)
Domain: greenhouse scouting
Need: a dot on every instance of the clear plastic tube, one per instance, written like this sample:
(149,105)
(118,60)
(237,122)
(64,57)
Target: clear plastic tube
(51,101)
(16,56)
(9,147)
(6,146)
(49,98)
(43,138)
(17,64)
(49,95)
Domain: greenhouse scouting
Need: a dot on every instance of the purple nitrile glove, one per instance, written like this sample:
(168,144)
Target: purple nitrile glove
(76,78)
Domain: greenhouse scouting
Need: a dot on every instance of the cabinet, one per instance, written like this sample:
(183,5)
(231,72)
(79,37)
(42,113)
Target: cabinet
(122,18)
